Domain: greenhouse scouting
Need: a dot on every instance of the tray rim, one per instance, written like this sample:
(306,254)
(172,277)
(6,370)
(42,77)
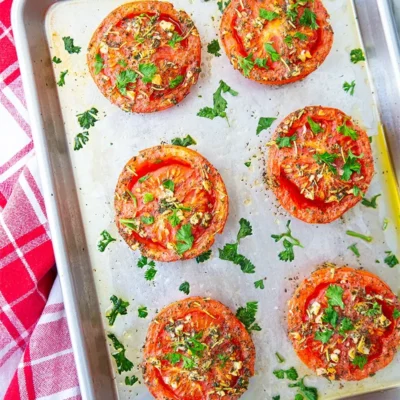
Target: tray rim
(47,177)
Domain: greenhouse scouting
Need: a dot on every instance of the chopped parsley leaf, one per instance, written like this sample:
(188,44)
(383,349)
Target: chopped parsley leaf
(264,123)
(359,361)
(351,165)
(185,142)
(275,56)
(347,131)
(174,40)
(349,87)
(288,243)
(56,60)
(169,185)
(124,78)
(375,310)
(324,336)
(203,257)
(148,71)
(278,397)
(123,364)
(301,36)
(142,312)
(219,103)
(148,198)
(268,15)
(150,274)
(315,127)
(328,159)
(247,316)
(185,287)
(119,307)
(105,241)
(80,140)
(244,230)
(356,55)
(173,83)
(98,64)
(130,381)
(147,220)
(184,239)
(309,19)
(354,249)
(261,62)
(357,191)
(259,284)
(334,295)
(61,81)
(214,48)
(360,236)
(247,163)
(285,141)
(143,261)
(391,260)
(370,203)
(246,64)
(173,358)
(69,45)
(88,118)
(330,316)
(290,373)
(345,326)
(396,313)
(230,251)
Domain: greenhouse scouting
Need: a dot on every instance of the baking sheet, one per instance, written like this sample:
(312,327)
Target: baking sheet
(118,136)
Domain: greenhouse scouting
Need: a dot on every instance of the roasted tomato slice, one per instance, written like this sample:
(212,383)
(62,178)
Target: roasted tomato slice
(170,202)
(196,349)
(276,41)
(320,164)
(145,56)
(344,323)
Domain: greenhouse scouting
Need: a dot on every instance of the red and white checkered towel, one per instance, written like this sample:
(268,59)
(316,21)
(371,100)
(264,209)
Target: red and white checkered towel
(36,359)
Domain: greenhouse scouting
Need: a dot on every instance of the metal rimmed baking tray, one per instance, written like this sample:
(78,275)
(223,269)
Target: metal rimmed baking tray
(78,187)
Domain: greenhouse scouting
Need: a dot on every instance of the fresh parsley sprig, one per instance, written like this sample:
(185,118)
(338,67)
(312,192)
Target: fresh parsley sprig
(356,55)
(61,81)
(349,87)
(80,140)
(151,271)
(230,251)
(142,312)
(105,241)
(69,45)
(247,316)
(119,308)
(219,103)
(370,203)
(87,119)
(288,243)
(123,363)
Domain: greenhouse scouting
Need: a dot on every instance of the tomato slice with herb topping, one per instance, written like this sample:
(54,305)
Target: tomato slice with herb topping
(197,349)
(320,164)
(275,42)
(170,203)
(344,323)
(145,56)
